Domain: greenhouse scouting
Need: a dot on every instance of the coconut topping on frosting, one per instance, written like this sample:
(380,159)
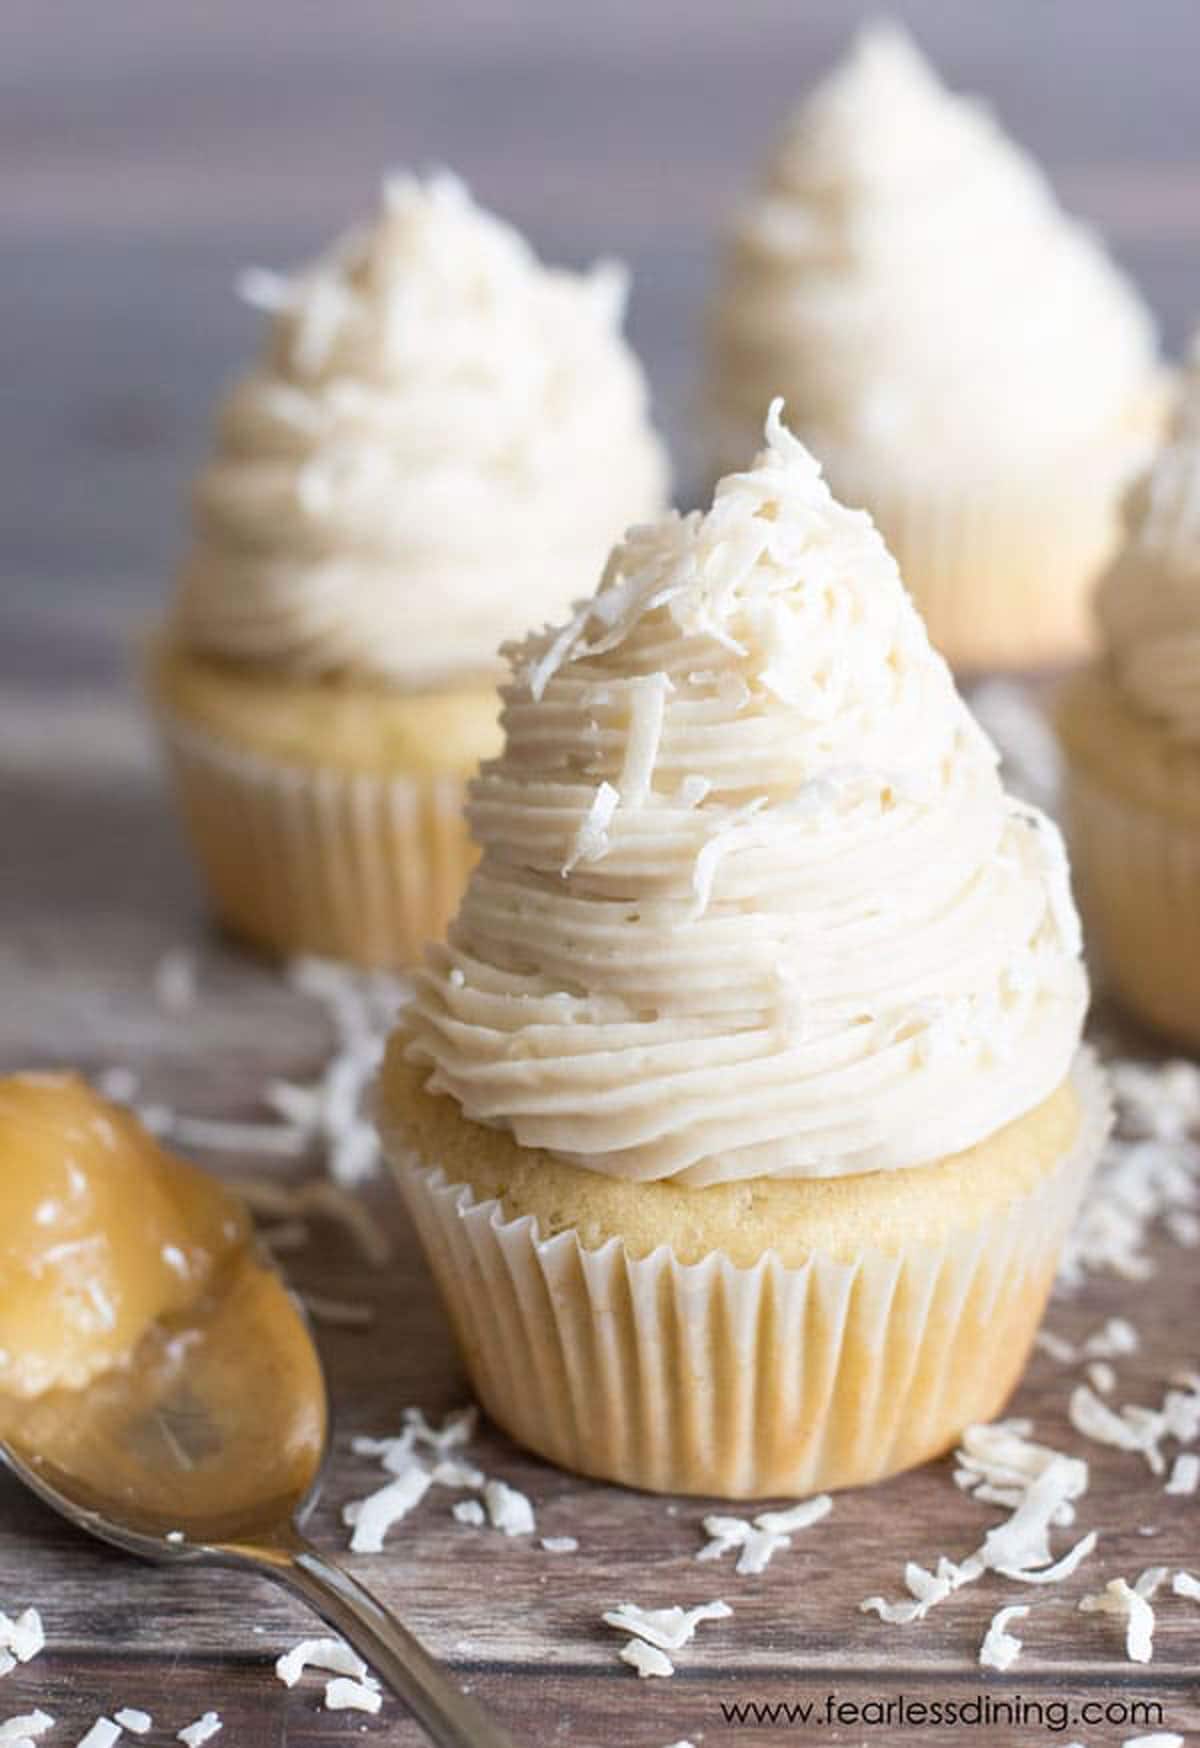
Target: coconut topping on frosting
(905,277)
(1149,599)
(752,900)
(437,448)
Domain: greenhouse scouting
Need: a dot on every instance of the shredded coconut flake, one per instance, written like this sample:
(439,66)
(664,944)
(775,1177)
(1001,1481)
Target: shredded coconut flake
(1150,1172)
(449,1472)
(1185,1474)
(646,1659)
(508,1510)
(1000,1648)
(1113,1340)
(102,1734)
(647,702)
(590,842)
(1061,1569)
(469,1511)
(1121,1599)
(333,1655)
(1186,1584)
(203,1730)
(343,1695)
(25,1728)
(24,1637)
(1101,1376)
(999,1464)
(371,1518)
(560,1544)
(1140,1429)
(1065,1352)
(133,1719)
(758,1541)
(667,1628)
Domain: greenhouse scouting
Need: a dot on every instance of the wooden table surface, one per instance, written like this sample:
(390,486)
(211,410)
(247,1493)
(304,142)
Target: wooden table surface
(149,153)
(96,889)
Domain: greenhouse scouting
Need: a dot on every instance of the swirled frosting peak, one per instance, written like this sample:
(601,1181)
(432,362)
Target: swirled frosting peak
(752,900)
(1149,598)
(437,447)
(905,277)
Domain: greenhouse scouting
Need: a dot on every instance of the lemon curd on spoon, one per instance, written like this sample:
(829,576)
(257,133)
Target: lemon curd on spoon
(128,1278)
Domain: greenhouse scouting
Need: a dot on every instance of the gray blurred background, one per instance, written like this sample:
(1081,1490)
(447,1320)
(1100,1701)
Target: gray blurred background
(151,148)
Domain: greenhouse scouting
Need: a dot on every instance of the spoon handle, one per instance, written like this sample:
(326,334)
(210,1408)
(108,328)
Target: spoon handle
(450,1717)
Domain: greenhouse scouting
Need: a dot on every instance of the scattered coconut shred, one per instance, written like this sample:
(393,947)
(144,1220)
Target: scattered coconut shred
(1000,1465)
(21,1640)
(1131,1604)
(659,1630)
(203,1730)
(1149,1175)
(766,1535)
(422,1456)
(1000,1648)
(15,1731)
(104,1733)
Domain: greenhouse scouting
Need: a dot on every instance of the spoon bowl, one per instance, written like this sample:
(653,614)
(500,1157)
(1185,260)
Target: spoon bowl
(210,1446)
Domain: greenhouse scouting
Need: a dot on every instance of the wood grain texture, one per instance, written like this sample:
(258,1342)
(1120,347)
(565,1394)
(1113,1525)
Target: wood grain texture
(148,153)
(95,887)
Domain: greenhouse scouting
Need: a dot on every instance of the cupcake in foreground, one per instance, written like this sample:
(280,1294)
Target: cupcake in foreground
(437,447)
(1130,727)
(963,358)
(742,1112)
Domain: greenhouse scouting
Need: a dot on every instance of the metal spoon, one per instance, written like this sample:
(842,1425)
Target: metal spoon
(210,1449)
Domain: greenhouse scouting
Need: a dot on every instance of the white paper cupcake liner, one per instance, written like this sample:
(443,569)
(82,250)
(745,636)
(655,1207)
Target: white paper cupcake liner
(1138,875)
(345,864)
(744,1382)
(1002,572)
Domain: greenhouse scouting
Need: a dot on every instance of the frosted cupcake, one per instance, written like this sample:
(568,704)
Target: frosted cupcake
(742,1112)
(437,447)
(1130,725)
(964,358)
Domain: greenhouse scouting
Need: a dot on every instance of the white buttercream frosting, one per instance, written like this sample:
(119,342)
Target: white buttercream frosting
(1149,598)
(907,281)
(752,900)
(437,448)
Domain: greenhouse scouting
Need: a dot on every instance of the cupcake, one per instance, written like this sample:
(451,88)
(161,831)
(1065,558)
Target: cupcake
(964,358)
(1130,728)
(437,447)
(742,1112)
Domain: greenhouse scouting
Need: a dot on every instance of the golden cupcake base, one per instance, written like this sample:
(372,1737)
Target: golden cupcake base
(325,820)
(848,1359)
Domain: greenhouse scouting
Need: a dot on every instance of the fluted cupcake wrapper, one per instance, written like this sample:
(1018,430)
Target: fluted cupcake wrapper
(744,1382)
(1138,874)
(1002,572)
(350,865)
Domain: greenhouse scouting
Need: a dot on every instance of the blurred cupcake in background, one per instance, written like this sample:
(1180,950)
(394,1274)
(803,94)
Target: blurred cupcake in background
(438,445)
(1130,726)
(963,357)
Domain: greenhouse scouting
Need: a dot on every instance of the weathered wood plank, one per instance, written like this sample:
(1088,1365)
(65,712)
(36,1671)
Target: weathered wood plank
(95,888)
